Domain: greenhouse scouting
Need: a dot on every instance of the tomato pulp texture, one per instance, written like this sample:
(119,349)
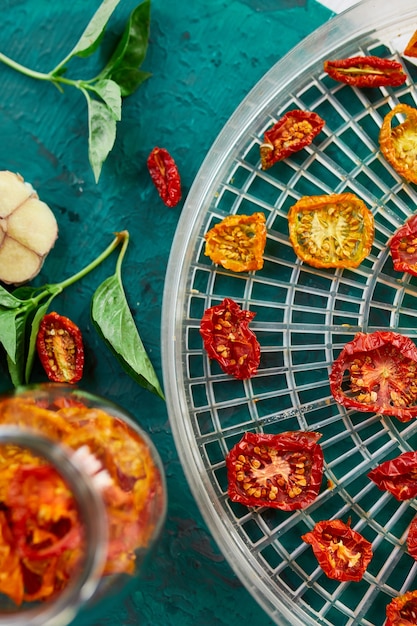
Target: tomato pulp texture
(282,471)
(398,476)
(377,372)
(370,71)
(335,230)
(398,143)
(293,132)
(165,176)
(228,339)
(402,611)
(237,243)
(60,348)
(342,553)
(403,247)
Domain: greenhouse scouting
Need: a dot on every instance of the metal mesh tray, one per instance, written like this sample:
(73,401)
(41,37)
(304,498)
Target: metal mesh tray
(304,317)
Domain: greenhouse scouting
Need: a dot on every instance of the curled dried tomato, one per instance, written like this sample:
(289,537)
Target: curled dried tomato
(398,476)
(370,71)
(60,348)
(228,339)
(237,243)
(399,143)
(342,553)
(165,176)
(411,48)
(293,132)
(412,539)
(335,230)
(377,372)
(281,471)
(402,611)
(403,247)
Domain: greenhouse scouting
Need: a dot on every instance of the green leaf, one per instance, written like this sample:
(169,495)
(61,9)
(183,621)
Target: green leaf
(91,37)
(16,366)
(113,320)
(8,331)
(8,300)
(129,79)
(109,91)
(102,133)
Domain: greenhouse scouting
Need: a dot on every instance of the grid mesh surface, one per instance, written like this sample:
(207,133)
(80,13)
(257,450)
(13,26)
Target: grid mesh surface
(304,316)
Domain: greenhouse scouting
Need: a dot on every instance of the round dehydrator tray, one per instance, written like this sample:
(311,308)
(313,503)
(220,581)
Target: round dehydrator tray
(304,316)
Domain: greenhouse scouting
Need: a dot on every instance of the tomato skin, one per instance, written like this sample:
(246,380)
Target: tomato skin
(403,247)
(402,611)
(262,470)
(293,132)
(228,339)
(382,375)
(399,143)
(370,71)
(412,539)
(342,553)
(398,476)
(165,176)
(60,348)
(237,242)
(335,230)
(411,48)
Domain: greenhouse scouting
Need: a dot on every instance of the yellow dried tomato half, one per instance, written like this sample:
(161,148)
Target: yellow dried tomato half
(237,243)
(399,143)
(335,230)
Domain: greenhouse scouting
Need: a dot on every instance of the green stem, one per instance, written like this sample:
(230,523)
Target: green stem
(121,256)
(24,70)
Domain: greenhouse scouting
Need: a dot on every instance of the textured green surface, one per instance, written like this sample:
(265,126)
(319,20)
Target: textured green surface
(204,58)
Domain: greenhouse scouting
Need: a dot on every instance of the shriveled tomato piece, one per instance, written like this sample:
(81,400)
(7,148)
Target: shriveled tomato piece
(60,348)
(281,471)
(377,372)
(370,71)
(412,538)
(335,230)
(399,143)
(411,48)
(229,340)
(398,476)
(403,247)
(293,132)
(342,553)
(237,243)
(402,611)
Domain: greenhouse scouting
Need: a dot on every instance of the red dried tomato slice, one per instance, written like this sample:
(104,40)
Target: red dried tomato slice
(165,176)
(402,611)
(412,539)
(342,553)
(377,372)
(293,132)
(228,339)
(60,348)
(370,71)
(403,247)
(411,48)
(398,476)
(281,471)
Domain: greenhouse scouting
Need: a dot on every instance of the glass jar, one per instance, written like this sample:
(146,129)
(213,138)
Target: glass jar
(82,502)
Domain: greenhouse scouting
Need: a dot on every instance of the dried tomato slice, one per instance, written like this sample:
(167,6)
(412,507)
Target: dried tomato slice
(403,247)
(411,48)
(165,176)
(398,476)
(281,471)
(293,132)
(228,339)
(412,538)
(342,553)
(237,243)
(381,375)
(402,611)
(399,143)
(370,71)
(60,348)
(335,230)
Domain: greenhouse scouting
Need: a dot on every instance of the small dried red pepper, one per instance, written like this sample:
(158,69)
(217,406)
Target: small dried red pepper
(398,476)
(402,610)
(165,176)
(228,339)
(295,130)
(60,348)
(370,71)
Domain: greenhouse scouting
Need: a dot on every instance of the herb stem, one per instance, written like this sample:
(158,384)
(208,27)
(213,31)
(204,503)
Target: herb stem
(121,256)
(24,70)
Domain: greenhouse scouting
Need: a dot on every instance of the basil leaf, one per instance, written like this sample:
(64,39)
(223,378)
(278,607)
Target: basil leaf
(131,49)
(113,320)
(109,91)
(129,79)
(8,300)
(16,366)
(31,349)
(8,331)
(102,133)
(91,37)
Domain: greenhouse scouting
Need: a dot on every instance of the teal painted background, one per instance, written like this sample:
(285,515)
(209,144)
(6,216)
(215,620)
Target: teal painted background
(204,57)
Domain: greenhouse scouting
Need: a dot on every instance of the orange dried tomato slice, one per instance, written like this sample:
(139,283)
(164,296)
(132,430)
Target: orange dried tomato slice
(335,230)
(399,143)
(237,243)
(411,48)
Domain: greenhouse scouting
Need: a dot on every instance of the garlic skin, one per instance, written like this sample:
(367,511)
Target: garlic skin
(28,230)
